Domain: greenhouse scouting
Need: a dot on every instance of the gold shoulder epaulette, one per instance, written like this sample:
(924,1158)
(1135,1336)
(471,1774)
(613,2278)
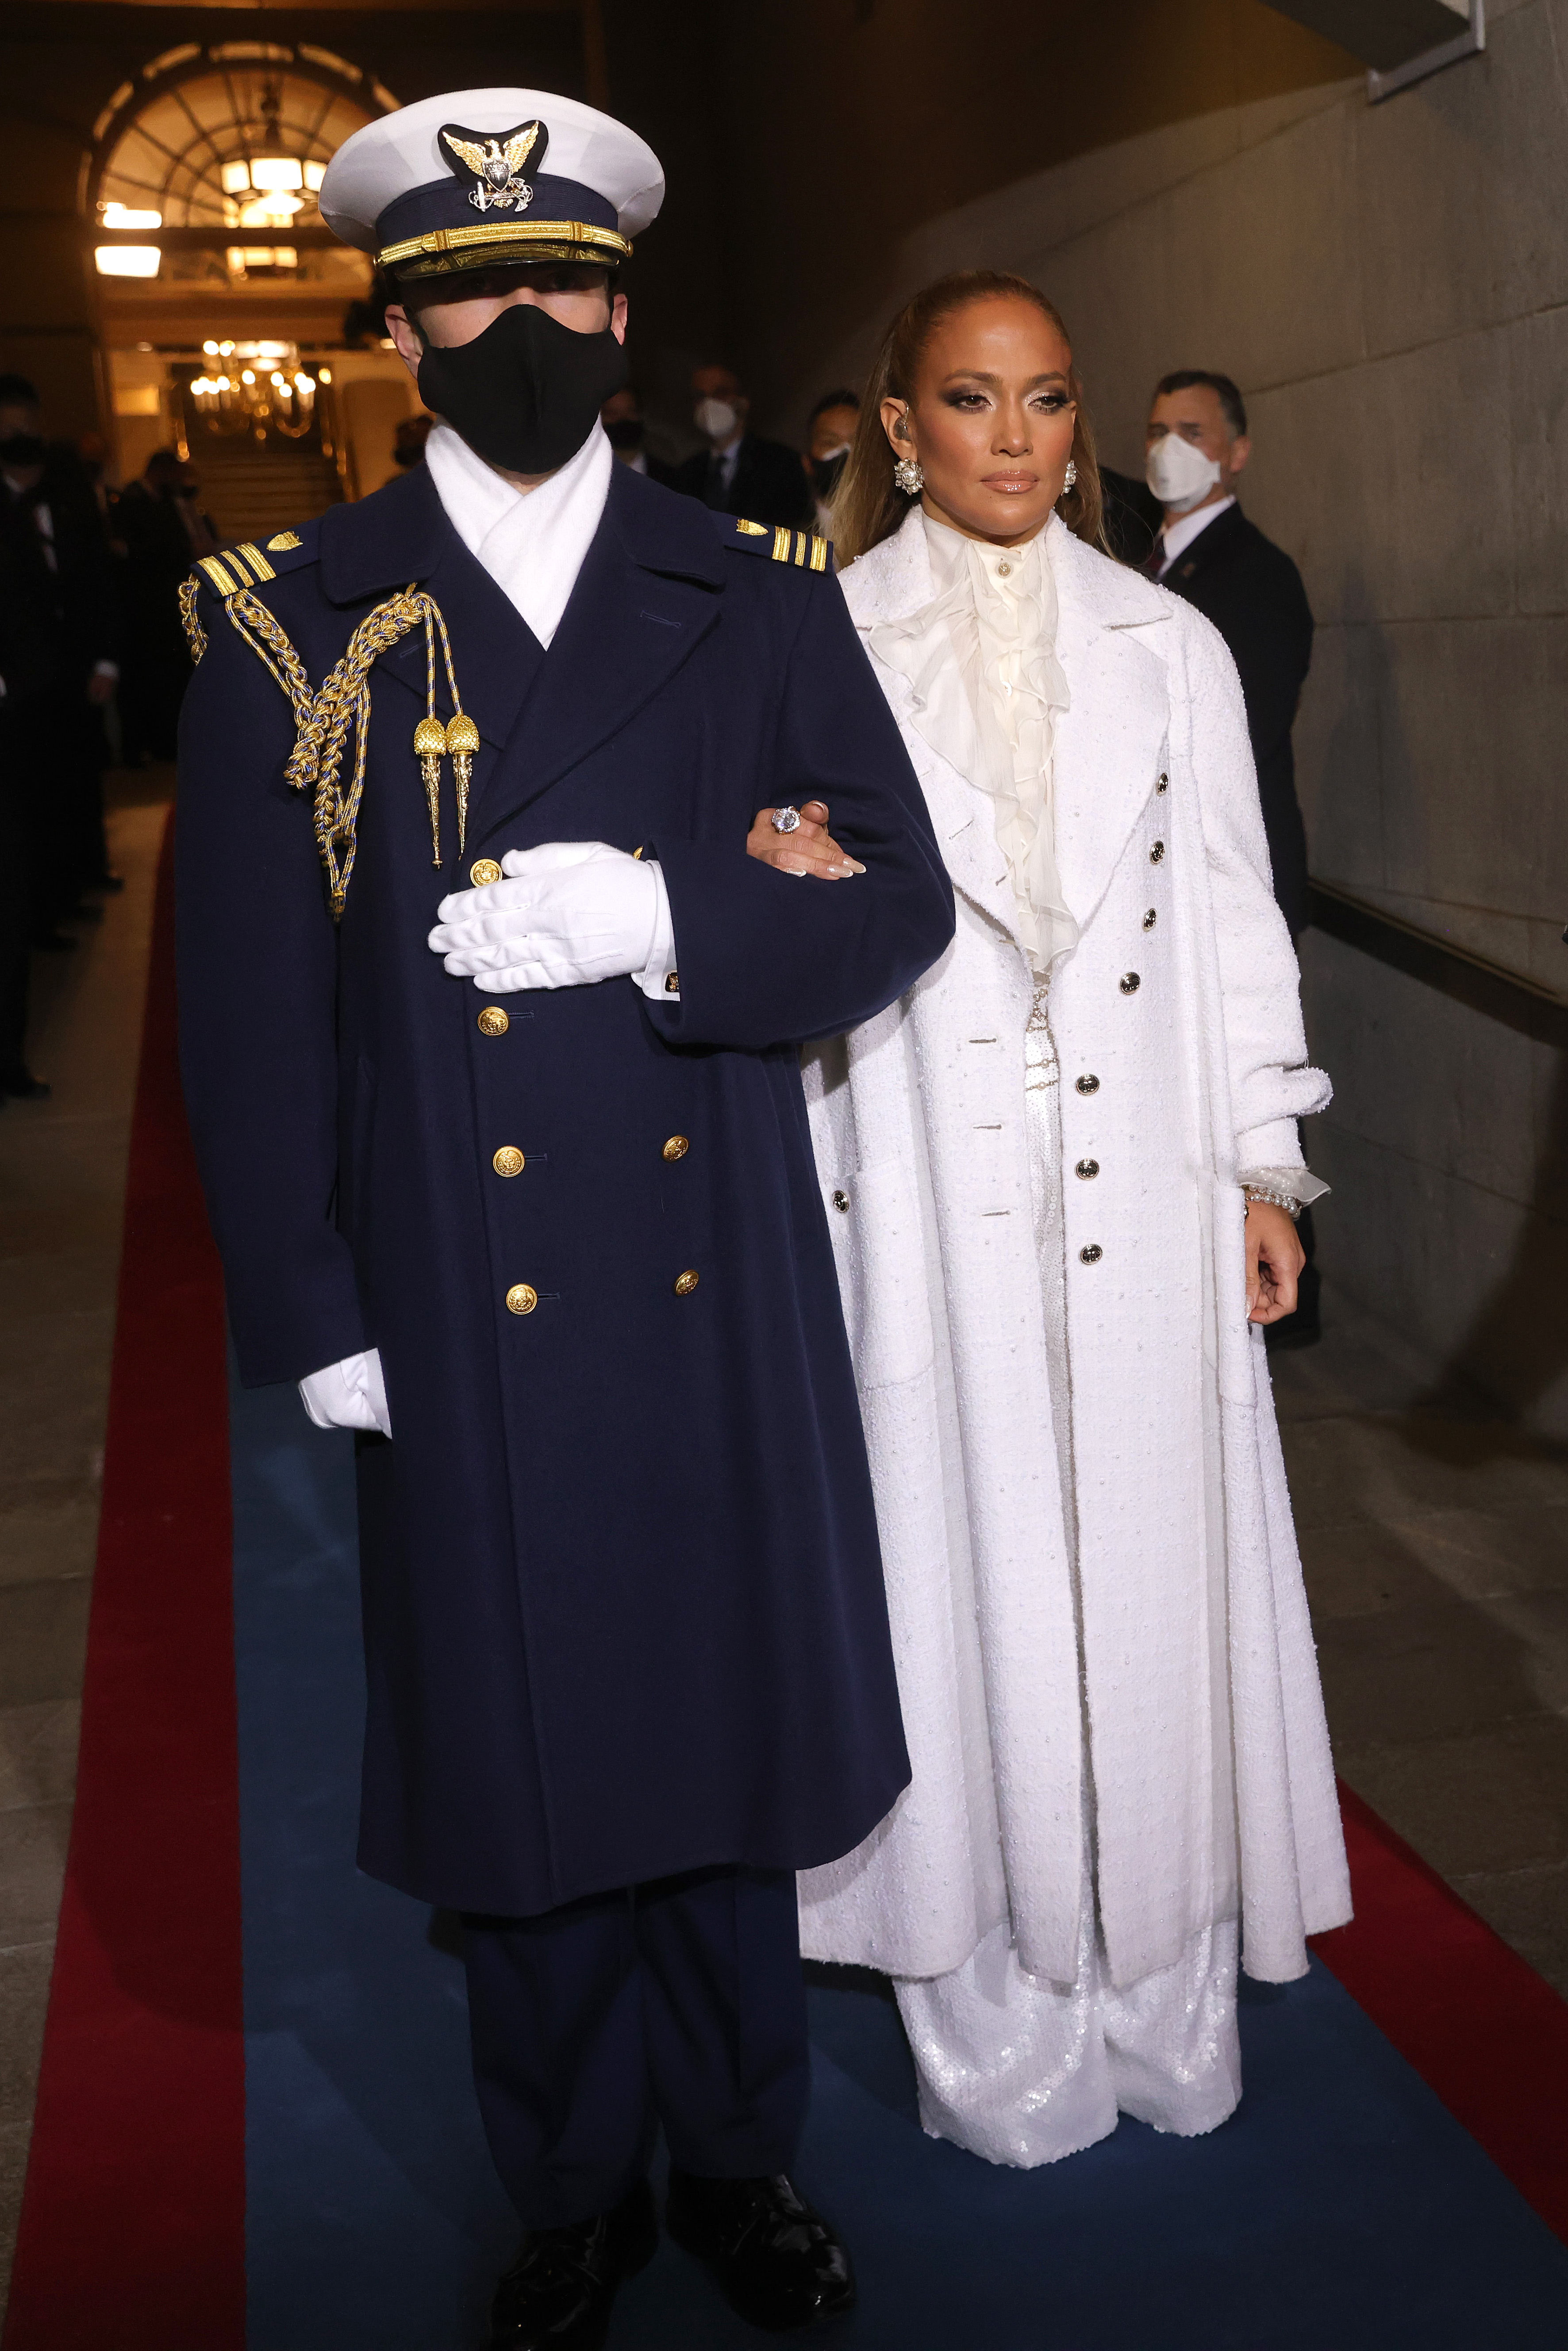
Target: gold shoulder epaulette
(806,548)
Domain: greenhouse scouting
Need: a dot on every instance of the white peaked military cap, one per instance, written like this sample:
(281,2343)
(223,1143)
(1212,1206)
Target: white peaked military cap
(485,176)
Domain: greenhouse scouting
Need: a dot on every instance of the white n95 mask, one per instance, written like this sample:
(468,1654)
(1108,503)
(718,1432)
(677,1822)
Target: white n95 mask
(1180,475)
(716,418)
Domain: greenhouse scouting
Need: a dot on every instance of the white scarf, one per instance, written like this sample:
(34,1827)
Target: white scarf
(981,659)
(532,542)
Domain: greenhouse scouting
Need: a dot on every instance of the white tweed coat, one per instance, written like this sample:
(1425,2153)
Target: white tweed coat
(1206,1776)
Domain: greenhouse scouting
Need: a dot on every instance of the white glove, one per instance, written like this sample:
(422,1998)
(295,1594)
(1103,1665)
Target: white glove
(350,1395)
(568,914)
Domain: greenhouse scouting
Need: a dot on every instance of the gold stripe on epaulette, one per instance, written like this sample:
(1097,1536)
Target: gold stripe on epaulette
(218,576)
(800,547)
(233,562)
(752,529)
(818,552)
(257,560)
(283,542)
(782,540)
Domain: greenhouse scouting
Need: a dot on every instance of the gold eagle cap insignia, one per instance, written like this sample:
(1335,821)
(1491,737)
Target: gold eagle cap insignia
(496,163)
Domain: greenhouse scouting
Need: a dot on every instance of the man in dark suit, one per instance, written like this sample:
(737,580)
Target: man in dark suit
(158,532)
(64,665)
(1209,552)
(739,472)
(529,1197)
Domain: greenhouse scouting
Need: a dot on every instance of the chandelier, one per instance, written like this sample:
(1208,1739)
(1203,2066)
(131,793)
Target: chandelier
(256,389)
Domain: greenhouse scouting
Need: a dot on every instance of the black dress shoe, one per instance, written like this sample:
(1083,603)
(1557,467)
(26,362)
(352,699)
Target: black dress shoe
(22,1086)
(779,2263)
(52,943)
(558,2293)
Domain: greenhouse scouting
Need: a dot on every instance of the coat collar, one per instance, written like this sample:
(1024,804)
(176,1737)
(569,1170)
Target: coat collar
(644,595)
(399,538)
(381,543)
(1110,627)
(894,579)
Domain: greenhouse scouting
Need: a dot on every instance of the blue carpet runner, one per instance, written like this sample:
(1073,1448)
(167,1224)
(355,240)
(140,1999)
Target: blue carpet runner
(1342,2208)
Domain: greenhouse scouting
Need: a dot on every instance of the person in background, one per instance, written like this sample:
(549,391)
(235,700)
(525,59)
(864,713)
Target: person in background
(830,428)
(63,658)
(92,455)
(1210,554)
(1130,518)
(158,532)
(409,440)
(740,474)
(625,429)
(18,743)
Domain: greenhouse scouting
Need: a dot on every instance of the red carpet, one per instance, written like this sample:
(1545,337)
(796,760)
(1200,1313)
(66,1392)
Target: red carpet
(1480,2026)
(132,2233)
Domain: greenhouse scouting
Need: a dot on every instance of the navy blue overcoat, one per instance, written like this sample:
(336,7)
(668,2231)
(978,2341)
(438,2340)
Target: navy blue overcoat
(622,1596)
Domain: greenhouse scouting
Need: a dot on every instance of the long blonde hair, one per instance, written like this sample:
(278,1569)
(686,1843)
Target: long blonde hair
(868,505)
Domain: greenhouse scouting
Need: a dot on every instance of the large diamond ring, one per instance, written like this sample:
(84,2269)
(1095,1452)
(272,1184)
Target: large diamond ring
(785,819)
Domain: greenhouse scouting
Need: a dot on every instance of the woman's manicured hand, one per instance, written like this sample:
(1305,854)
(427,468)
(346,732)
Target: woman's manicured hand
(810,848)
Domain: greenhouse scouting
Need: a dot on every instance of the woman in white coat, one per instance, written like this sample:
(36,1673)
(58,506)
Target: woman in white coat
(1062,1176)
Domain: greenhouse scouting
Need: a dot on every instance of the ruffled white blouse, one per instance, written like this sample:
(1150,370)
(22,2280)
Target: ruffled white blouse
(981,659)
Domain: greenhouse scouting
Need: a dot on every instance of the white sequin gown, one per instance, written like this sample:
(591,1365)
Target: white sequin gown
(1012,2066)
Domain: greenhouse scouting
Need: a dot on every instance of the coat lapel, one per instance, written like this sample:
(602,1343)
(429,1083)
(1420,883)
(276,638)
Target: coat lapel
(400,536)
(647,594)
(1109,742)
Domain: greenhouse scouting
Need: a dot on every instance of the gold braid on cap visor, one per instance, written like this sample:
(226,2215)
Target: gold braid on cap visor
(442,250)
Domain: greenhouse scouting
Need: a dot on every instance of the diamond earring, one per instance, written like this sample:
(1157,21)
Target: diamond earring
(909,477)
(1070,476)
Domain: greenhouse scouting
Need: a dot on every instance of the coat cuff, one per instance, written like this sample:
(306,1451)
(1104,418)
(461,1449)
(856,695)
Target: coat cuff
(1277,1144)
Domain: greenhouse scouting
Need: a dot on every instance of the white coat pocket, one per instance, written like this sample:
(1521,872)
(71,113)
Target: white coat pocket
(878,1226)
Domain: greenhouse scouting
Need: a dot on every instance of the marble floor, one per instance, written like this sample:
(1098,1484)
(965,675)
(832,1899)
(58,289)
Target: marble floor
(1435,1537)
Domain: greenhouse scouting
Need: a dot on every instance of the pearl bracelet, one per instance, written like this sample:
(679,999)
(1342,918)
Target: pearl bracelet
(1274,1200)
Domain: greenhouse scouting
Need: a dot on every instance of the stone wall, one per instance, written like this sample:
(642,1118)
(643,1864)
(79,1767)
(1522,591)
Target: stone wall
(1389,285)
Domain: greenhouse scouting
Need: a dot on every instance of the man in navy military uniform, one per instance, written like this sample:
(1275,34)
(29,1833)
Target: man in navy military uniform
(531,1194)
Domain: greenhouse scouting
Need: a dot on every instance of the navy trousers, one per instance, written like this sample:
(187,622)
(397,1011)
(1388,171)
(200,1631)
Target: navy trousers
(679,2002)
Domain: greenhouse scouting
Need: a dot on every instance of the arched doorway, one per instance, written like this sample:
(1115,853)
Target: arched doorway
(214,268)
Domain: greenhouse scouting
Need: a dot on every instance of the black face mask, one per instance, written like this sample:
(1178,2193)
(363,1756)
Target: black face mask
(625,433)
(825,472)
(21,449)
(525,392)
